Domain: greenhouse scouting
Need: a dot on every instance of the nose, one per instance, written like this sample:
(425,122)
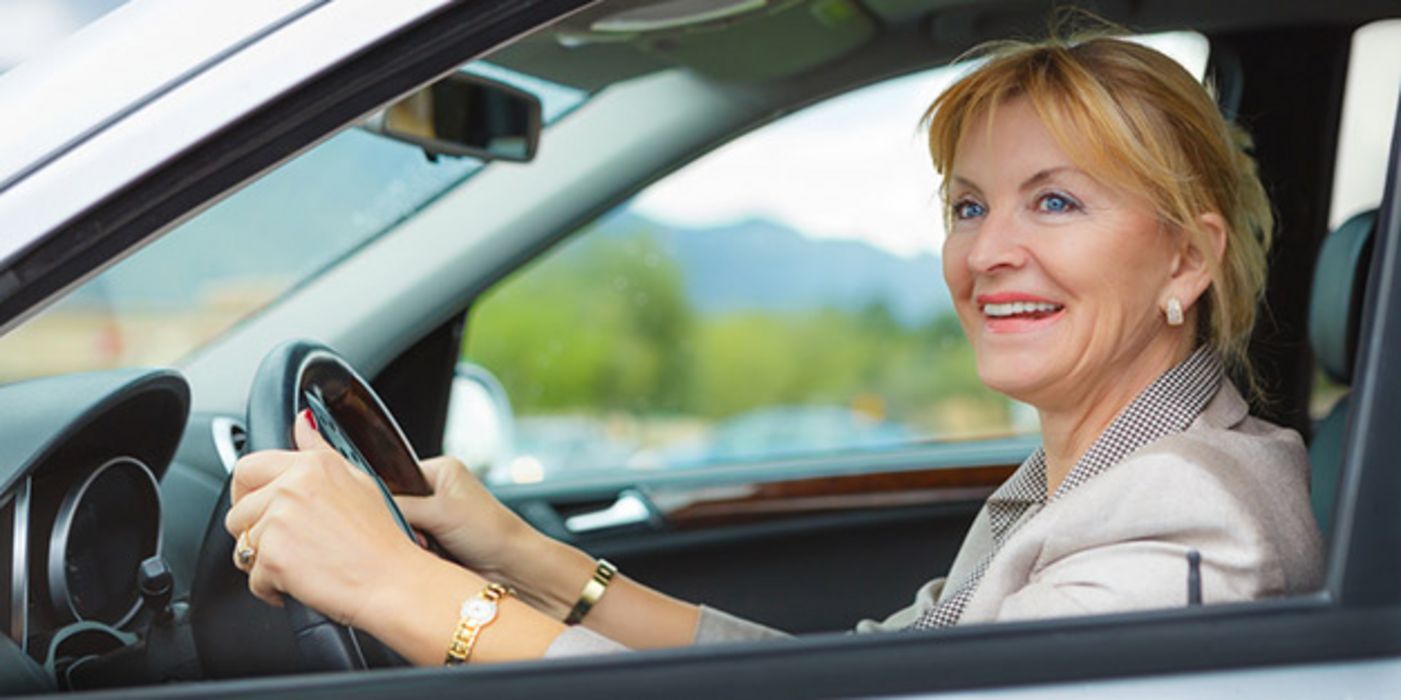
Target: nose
(998,244)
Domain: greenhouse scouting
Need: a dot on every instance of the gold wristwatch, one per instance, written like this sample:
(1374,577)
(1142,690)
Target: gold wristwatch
(477,612)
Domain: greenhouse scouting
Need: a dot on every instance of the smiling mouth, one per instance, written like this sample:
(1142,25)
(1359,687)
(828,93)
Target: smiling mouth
(1030,310)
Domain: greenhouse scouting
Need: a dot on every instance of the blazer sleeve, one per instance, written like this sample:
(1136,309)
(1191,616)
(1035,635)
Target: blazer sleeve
(713,627)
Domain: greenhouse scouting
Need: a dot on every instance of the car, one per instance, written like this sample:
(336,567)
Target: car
(684,221)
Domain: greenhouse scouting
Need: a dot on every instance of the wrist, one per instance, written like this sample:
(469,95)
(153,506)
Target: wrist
(550,574)
(416,612)
(399,582)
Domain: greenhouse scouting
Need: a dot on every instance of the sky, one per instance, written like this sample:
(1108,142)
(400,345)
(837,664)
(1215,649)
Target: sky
(853,167)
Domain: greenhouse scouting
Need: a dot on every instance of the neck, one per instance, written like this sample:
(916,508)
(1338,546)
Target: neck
(1069,429)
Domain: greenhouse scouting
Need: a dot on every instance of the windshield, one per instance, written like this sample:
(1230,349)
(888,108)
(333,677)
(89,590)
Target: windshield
(241,254)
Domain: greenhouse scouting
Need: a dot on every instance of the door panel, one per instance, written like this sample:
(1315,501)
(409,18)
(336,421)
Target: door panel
(802,554)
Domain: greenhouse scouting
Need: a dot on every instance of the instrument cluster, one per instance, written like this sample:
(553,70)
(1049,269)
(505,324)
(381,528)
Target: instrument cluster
(81,573)
(77,539)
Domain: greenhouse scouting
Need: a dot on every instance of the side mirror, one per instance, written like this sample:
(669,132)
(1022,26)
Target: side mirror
(480,428)
(464,115)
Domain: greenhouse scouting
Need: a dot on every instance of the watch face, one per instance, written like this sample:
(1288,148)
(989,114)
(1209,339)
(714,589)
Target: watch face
(479,611)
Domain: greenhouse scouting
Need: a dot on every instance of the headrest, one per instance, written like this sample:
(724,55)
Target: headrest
(1339,283)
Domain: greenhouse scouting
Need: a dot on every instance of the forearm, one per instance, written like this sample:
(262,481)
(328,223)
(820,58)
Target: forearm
(417,615)
(550,575)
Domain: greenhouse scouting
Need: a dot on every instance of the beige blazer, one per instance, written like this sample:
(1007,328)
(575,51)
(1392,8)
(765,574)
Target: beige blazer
(1233,487)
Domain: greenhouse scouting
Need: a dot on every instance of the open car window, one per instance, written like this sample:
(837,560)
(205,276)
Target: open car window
(779,298)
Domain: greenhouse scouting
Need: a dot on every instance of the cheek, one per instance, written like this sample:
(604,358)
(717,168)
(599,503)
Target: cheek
(1118,274)
(960,281)
(955,262)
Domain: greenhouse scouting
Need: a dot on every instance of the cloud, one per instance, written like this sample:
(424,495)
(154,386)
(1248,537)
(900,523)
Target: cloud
(852,167)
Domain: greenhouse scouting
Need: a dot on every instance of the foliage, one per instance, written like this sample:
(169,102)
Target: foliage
(604,325)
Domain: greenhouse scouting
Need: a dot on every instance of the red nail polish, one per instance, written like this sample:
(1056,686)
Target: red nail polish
(310,419)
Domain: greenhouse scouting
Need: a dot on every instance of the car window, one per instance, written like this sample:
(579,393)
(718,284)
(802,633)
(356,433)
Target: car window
(780,297)
(1370,100)
(242,254)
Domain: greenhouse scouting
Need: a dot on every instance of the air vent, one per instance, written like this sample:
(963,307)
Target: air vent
(230,440)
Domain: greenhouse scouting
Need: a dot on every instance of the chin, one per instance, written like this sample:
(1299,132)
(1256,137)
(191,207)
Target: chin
(1013,379)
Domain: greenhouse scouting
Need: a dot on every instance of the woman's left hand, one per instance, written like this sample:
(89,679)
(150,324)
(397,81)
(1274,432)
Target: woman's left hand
(318,528)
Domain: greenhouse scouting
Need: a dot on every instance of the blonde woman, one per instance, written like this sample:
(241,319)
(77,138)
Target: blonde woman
(1106,252)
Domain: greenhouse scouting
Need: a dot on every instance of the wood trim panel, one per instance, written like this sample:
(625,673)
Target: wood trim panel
(715,506)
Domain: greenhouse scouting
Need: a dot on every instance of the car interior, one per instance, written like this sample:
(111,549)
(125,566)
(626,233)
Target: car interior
(125,469)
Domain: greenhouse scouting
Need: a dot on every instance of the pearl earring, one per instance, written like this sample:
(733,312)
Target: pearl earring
(1174,311)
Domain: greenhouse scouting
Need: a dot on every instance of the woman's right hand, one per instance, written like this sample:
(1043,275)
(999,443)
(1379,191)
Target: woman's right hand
(474,527)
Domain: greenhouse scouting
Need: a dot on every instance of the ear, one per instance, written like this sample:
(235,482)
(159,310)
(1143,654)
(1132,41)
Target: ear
(1191,268)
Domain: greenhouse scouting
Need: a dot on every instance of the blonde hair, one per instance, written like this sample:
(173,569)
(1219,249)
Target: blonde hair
(1157,132)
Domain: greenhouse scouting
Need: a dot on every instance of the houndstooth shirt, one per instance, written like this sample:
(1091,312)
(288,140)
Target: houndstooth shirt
(1167,406)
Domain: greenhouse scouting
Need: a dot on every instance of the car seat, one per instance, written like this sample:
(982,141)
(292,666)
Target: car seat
(1335,319)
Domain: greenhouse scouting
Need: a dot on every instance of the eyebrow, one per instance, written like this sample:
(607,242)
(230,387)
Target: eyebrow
(1031,182)
(1045,175)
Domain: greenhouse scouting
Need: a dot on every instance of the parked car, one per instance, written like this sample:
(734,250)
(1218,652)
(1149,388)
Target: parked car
(186,187)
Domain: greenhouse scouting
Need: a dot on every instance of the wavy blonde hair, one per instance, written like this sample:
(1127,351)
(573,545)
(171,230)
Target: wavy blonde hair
(1134,118)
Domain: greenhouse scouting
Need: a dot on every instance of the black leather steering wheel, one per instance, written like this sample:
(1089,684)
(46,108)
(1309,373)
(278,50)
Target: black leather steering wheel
(238,635)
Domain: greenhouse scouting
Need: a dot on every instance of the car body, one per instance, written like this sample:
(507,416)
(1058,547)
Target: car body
(109,149)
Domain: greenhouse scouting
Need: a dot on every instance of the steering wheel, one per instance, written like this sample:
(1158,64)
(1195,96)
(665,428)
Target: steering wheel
(238,635)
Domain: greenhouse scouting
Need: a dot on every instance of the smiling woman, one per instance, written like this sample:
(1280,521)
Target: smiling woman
(1103,288)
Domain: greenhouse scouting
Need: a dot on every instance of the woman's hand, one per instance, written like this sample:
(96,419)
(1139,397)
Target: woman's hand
(466,519)
(490,539)
(318,528)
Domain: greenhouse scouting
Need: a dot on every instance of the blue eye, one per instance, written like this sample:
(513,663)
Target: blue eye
(968,209)
(1056,204)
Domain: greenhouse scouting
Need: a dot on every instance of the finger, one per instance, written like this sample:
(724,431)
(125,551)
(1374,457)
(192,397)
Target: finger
(257,470)
(243,553)
(418,510)
(305,434)
(248,510)
(263,572)
(436,468)
(262,586)
(423,511)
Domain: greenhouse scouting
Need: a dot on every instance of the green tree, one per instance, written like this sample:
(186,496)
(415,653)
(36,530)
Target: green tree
(602,324)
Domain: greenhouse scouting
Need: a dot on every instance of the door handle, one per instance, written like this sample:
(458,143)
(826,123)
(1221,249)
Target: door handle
(631,508)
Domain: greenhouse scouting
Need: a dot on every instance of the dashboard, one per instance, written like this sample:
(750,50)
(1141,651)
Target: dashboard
(81,460)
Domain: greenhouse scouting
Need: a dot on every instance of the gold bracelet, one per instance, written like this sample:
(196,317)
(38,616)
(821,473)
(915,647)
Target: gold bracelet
(477,612)
(593,590)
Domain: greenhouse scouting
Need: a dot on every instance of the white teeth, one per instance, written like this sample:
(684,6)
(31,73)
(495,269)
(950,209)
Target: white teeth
(1019,307)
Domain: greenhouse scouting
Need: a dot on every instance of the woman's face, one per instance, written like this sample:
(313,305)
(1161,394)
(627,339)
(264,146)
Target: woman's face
(1058,279)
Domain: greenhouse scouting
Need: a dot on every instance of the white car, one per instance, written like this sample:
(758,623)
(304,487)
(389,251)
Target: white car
(684,211)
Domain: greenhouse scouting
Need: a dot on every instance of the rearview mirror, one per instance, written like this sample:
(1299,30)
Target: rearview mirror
(464,115)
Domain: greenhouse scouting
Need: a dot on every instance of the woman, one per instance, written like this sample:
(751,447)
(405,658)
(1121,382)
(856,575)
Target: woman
(1106,251)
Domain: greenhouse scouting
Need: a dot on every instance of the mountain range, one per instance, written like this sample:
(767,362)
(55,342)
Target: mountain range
(759,264)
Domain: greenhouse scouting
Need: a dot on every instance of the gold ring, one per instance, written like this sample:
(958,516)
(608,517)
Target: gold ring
(246,553)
